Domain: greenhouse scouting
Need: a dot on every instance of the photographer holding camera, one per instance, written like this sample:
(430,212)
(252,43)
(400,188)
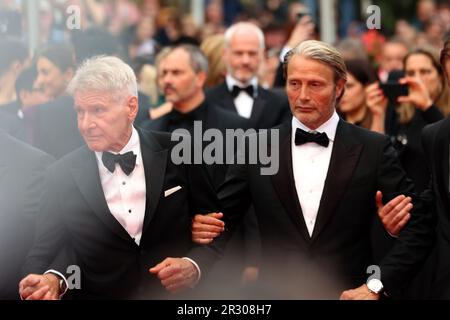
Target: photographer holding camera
(404,117)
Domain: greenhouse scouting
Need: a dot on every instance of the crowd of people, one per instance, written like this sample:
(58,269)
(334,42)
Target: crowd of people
(88,130)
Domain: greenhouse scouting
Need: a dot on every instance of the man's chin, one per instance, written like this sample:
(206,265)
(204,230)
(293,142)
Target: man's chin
(96,147)
(244,78)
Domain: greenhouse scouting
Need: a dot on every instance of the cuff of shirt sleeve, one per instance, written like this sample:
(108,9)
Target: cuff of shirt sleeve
(61,277)
(198,271)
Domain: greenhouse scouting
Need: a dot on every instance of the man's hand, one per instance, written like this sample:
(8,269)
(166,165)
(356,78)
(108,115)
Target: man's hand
(39,287)
(206,227)
(395,214)
(176,274)
(360,293)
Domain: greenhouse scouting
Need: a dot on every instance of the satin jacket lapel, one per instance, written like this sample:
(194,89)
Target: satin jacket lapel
(284,184)
(344,158)
(442,162)
(155,162)
(87,178)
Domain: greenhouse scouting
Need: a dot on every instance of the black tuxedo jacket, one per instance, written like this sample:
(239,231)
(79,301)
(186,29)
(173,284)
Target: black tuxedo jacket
(270,109)
(335,257)
(112,264)
(21,180)
(245,244)
(435,143)
(55,128)
(12,125)
(214,118)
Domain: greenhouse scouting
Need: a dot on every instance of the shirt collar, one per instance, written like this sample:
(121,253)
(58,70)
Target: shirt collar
(132,145)
(329,126)
(233,82)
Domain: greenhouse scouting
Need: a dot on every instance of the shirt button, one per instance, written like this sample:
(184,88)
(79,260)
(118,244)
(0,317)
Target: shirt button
(129,211)
(124,183)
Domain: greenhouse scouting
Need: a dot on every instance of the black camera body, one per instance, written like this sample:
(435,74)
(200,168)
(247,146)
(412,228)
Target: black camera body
(392,89)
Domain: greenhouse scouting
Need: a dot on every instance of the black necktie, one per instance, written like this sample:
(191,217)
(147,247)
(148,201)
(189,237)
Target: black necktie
(236,90)
(126,161)
(301,137)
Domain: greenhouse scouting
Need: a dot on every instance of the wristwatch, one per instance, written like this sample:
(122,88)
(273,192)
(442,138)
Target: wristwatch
(374,285)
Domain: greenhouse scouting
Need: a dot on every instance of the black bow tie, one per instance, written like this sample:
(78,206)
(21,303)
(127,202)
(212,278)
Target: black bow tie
(236,90)
(126,161)
(301,137)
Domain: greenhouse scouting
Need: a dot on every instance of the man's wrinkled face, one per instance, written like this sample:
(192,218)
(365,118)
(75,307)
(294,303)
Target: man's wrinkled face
(243,55)
(179,82)
(104,121)
(312,91)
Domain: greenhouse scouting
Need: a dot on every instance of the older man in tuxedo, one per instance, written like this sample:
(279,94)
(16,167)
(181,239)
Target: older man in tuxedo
(119,203)
(316,213)
(21,179)
(241,92)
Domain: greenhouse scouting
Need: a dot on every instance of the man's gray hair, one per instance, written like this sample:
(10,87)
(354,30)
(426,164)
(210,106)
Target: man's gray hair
(244,27)
(321,52)
(197,60)
(105,74)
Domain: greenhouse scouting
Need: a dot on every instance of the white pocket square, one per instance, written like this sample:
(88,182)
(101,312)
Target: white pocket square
(168,192)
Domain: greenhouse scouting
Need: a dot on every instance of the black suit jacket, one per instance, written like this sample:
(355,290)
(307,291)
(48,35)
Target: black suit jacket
(55,128)
(12,124)
(112,264)
(246,242)
(21,180)
(214,118)
(435,143)
(270,109)
(335,258)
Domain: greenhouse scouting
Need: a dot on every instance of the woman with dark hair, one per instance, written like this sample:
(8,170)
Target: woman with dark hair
(55,66)
(55,129)
(353,106)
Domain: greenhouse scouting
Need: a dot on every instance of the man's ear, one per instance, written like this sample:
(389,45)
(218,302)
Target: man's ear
(201,77)
(340,86)
(133,106)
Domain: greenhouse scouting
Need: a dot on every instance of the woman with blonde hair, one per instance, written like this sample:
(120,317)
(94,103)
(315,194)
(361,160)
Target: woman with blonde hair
(425,103)
(423,65)
(212,47)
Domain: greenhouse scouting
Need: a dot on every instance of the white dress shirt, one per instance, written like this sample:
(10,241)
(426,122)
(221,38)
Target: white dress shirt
(243,101)
(310,163)
(126,195)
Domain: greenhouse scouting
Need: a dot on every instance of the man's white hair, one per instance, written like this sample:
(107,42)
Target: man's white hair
(244,27)
(105,74)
